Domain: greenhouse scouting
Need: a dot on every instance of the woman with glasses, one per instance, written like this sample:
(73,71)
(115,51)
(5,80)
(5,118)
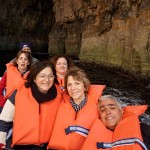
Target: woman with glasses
(31,109)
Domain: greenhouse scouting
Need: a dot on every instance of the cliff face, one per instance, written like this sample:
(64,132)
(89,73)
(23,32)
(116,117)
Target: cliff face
(27,20)
(114,33)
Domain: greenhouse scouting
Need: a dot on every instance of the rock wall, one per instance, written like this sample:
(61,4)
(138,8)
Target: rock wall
(27,20)
(113,33)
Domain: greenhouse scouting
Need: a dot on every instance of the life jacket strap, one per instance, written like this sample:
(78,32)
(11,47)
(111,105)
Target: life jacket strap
(80,130)
(128,141)
(9,134)
(62,88)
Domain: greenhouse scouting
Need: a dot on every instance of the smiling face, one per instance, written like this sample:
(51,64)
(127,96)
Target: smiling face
(22,62)
(61,66)
(26,49)
(75,89)
(110,113)
(44,80)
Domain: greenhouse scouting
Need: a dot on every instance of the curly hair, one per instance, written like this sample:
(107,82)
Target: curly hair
(70,62)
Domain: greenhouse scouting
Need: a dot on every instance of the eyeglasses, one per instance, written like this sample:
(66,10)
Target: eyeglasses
(43,77)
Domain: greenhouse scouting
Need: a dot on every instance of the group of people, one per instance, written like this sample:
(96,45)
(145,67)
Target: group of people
(52,105)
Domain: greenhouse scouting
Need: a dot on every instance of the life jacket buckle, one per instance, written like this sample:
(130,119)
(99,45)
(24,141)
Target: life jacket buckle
(100,145)
(67,131)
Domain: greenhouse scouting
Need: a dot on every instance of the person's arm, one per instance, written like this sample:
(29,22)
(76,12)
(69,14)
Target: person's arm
(2,88)
(6,118)
(34,60)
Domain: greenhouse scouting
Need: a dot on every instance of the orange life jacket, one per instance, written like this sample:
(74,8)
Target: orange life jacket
(14,79)
(61,83)
(126,136)
(33,122)
(71,128)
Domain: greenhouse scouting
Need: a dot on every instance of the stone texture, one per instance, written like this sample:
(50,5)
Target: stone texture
(113,33)
(27,20)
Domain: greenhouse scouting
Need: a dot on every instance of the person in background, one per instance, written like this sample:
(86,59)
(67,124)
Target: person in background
(117,129)
(32,109)
(62,64)
(26,46)
(77,111)
(14,75)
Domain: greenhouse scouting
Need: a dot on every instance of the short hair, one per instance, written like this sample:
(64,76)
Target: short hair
(80,75)
(106,97)
(70,62)
(28,55)
(35,69)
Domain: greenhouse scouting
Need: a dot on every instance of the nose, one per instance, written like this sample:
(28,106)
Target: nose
(23,60)
(47,78)
(107,111)
(62,66)
(73,87)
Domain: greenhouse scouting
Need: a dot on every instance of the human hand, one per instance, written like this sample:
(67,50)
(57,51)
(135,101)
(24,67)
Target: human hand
(2,146)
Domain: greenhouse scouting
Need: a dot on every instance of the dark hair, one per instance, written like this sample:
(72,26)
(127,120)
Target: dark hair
(28,55)
(80,75)
(68,59)
(35,69)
